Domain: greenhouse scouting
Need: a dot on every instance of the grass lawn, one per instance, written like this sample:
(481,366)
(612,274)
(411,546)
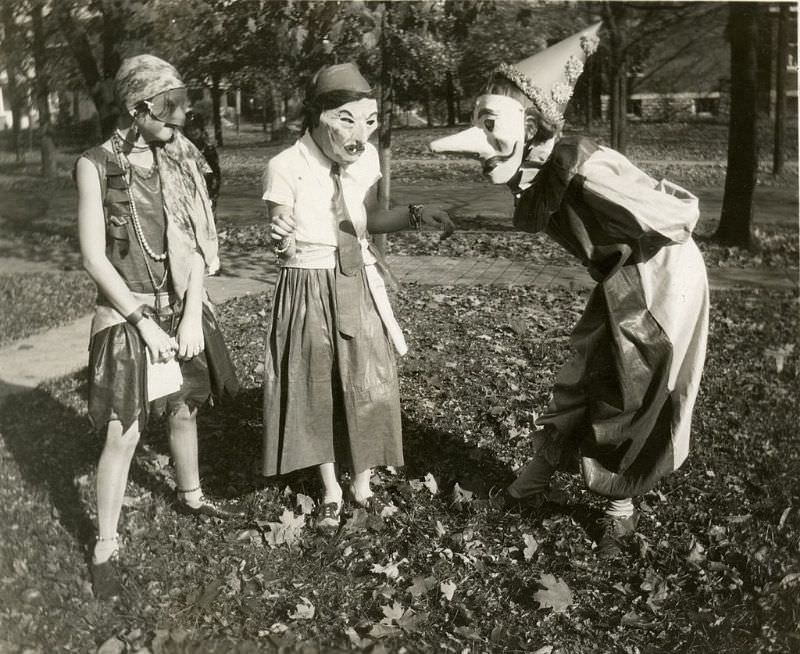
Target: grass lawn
(713,567)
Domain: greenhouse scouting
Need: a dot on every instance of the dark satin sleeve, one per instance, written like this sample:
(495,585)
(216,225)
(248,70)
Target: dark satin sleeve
(542,198)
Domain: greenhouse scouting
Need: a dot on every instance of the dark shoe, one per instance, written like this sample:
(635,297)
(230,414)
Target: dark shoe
(208,508)
(106,582)
(329,516)
(615,531)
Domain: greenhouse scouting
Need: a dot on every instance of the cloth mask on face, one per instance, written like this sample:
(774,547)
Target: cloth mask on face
(343,132)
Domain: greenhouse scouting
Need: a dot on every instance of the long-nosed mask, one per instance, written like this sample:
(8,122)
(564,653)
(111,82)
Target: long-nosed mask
(497,137)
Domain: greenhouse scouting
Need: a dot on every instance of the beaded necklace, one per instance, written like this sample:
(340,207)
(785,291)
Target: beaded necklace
(131,144)
(137,225)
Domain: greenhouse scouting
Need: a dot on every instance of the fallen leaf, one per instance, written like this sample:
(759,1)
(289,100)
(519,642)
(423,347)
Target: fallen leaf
(161,461)
(696,554)
(388,511)
(784,515)
(304,503)
(287,530)
(250,535)
(633,619)
(430,483)
(112,646)
(467,632)
(382,631)
(358,521)
(303,611)
(530,546)
(448,588)
(392,614)
(209,593)
(422,585)
(391,569)
(461,494)
(555,593)
(412,621)
(356,640)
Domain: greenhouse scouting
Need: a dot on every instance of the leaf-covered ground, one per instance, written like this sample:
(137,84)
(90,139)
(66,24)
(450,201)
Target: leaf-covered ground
(34,302)
(714,566)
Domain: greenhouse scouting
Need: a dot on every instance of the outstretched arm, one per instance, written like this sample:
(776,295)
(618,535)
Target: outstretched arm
(384,221)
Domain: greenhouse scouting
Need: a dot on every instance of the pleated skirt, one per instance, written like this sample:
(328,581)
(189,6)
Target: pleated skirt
(327,397)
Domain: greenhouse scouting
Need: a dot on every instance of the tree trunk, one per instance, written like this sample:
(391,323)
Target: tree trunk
(451,99)
(429,109)
(614,14)
(100,87)
(780,90)
(276,104)
(740,181)
(385,128)
(10,45)
(588,106)
(765,54)
(46,143)
(618,108)
(216,94)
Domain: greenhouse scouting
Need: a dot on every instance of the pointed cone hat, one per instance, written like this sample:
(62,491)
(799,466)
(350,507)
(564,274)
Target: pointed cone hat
(548,78)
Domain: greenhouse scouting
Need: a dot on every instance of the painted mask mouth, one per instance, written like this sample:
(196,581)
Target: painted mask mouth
(493,162)
(355,148)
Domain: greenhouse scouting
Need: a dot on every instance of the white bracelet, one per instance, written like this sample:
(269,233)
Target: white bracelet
(280,250)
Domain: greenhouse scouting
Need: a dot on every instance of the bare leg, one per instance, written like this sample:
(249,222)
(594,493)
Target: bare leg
(333,491)
(360,486)
(112,477)
(183,445)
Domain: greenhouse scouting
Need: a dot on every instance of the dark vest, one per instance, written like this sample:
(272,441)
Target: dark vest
(122,246)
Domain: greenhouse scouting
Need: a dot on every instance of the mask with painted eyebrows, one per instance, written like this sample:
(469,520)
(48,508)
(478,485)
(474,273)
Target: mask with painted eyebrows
(501,119)
(497,137)
(343,132)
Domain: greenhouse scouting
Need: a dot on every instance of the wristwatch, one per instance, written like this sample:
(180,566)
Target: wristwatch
(415,215)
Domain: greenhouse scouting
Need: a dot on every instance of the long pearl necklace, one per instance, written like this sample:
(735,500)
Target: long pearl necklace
(137,225)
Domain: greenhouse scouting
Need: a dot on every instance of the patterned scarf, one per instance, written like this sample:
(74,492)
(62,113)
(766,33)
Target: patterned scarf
(190,219)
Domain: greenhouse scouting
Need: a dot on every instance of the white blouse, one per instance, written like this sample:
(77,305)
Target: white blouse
(300,177)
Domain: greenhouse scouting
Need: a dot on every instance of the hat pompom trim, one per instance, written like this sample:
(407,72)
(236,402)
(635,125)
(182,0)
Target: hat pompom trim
(549,109)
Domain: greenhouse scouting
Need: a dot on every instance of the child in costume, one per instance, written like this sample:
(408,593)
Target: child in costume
(331,392)
(195,130)
(147,237)
(623,403)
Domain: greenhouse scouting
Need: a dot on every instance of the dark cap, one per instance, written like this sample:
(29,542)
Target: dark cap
(338,77)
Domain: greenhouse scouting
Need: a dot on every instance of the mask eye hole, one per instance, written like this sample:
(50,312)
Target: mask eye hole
(488,123)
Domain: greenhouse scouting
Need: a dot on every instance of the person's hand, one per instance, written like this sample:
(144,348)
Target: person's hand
(438,218)
(161,345)
(281,231)
(281,225)
(190,337)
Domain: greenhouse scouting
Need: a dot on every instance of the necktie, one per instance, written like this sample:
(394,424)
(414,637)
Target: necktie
(349,262)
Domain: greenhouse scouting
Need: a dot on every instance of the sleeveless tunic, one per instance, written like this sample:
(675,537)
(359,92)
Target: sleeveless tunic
(117,353)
